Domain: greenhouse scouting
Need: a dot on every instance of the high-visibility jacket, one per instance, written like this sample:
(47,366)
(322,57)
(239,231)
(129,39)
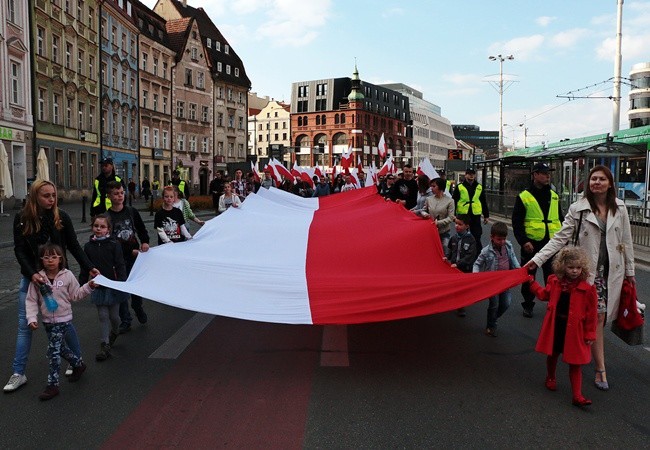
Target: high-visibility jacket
(448,186)
(98,194)
(464,201)
(535,224)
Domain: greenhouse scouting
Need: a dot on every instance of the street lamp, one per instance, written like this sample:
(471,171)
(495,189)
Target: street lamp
(500,90)
(512,129)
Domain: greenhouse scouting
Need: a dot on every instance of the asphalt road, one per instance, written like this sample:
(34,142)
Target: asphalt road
(434,381)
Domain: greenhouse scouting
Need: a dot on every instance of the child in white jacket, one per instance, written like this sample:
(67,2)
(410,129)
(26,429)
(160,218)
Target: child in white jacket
(54,298)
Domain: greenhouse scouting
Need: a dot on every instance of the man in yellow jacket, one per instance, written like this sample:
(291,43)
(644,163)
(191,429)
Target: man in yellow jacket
(536,217)
(469,199)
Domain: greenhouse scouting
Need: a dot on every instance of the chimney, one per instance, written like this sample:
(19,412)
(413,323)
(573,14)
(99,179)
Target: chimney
(185,3)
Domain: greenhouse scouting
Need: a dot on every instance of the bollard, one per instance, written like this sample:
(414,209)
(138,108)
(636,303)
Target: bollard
(151,207)
(84,199)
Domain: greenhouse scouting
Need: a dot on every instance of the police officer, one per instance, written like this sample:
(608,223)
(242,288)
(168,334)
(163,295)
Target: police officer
(100,203)
(470,199)
(181,184)
(536,217)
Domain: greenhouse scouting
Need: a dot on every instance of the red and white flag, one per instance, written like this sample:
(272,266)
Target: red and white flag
(347,158)
(317,171)
(381,147)
(281,169)
(298,284)
(256,172)
(425,168)
(274,173)
(387,168)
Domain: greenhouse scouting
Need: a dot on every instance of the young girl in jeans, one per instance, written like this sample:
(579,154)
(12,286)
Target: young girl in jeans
(57,317)
(569,326)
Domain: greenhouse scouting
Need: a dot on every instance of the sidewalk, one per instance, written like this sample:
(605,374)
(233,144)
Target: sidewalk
(74,210)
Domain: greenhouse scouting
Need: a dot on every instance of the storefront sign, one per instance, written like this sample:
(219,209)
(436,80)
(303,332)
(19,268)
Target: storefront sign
(6,134)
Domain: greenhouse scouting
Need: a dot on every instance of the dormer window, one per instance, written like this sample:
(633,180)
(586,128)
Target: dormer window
(226,49)
(217,45)
(236,71)
(195,53)
(209,43)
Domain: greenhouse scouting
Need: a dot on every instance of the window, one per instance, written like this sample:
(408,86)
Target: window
(205,115)
(303,91)
(80,9)
(228,69)
(91,64)
(145,136)
(145,97)
(180,109)
(16,83)
(144,61)
(68,113)
(91,17)
(165,105)
(195,54)
(104,29)
(205,145)
(55,48)
(226,49)
(219,67)
(180,142)
(231,121)
(230,94)
(219,92)
(241,123)
(131,87)
(68,55)
(68,7)
(200,80)
(192,144)
(113,35)
(217,45)
(124,82)
(241,150)
(41,104)
(164,139)
(164,69)
(40,40)
(192,111)
(220,119)
(81,108)
(321,89)
(55,109)
(156,138)
(155,66)
(188,77)
(12,15)
(124,47)
(209,42)
(241,97)
(155,102)
(80,62)
(236,71)
(91,118)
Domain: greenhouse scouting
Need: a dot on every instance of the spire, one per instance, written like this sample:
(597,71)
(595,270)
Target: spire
(355,93)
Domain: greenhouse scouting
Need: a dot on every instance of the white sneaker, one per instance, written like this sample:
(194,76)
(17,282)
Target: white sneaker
(68,371)
(15,382)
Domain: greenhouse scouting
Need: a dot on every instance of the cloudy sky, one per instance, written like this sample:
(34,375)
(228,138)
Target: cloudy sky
(442,47)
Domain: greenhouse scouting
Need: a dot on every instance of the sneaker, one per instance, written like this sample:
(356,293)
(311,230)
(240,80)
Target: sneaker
(125,327)
(49,393)
(142,316)
(112,338)
(460,312)
(77,372)
(551,384)
(528,313)
(15,381)
(581,401)
(491,332)
(68,371)
(104,353)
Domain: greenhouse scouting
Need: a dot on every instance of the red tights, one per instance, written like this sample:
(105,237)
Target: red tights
(575,374)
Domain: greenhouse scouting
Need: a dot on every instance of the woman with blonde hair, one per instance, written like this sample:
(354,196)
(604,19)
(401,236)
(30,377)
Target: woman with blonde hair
(39,222)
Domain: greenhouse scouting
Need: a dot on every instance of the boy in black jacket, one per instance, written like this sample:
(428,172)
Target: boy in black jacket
(461,251)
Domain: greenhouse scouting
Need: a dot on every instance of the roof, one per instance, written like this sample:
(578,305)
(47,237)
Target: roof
(208,29)
(178,30)
(148,17)
(253,111)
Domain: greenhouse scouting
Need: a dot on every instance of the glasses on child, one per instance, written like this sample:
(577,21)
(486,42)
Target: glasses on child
(50,257)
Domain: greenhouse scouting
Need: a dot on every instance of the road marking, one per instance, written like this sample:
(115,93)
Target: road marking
(334,348)
(179,341)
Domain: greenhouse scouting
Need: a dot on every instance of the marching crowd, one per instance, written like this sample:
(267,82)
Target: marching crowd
(583,280)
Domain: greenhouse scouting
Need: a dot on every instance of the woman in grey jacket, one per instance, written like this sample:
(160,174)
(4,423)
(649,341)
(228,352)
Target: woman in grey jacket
(440,209)
(599,224)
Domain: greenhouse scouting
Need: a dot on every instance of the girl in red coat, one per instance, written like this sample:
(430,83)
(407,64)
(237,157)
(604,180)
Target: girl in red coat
(569,326)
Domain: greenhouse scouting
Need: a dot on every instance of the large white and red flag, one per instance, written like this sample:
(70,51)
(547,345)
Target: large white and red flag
(281,169)
(346,158)
(387,168)
(426,168)
(222,274)
(381,147)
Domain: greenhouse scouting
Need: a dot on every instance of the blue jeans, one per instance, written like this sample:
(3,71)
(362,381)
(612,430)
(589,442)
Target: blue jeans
(497,306)
(24,337)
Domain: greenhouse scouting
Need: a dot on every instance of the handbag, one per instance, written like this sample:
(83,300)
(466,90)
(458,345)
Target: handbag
(628,325)
(575,239)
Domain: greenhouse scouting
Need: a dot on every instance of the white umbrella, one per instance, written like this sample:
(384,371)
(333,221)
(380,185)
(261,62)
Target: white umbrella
(6,188)
(42,167)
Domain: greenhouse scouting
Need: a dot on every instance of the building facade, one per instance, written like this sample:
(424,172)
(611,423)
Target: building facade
(486,141)
(639,112)
(271,126)
(156,66)
(119,86)
(67,92)
(228,86)
(16,119)
(433,136)
(330,115)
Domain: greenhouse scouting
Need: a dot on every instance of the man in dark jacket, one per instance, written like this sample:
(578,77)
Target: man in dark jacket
(405,190)
(100,202)
(536,217)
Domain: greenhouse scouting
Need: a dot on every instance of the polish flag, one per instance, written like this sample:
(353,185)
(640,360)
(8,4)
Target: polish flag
(347,158)
(274,173)
(425,168)
(296,170)
(317,171)
(281,169)
(381,147)
(387,168)
(222,274)
(256,172)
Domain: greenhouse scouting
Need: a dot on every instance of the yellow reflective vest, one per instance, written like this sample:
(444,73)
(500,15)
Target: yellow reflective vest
(534,222)
(98,196)
(464,201)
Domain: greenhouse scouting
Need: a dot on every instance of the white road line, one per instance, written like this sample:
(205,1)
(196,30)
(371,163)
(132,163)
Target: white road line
(334,348)
(178,342)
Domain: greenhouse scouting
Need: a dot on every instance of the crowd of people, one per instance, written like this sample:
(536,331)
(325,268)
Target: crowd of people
(582,281)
